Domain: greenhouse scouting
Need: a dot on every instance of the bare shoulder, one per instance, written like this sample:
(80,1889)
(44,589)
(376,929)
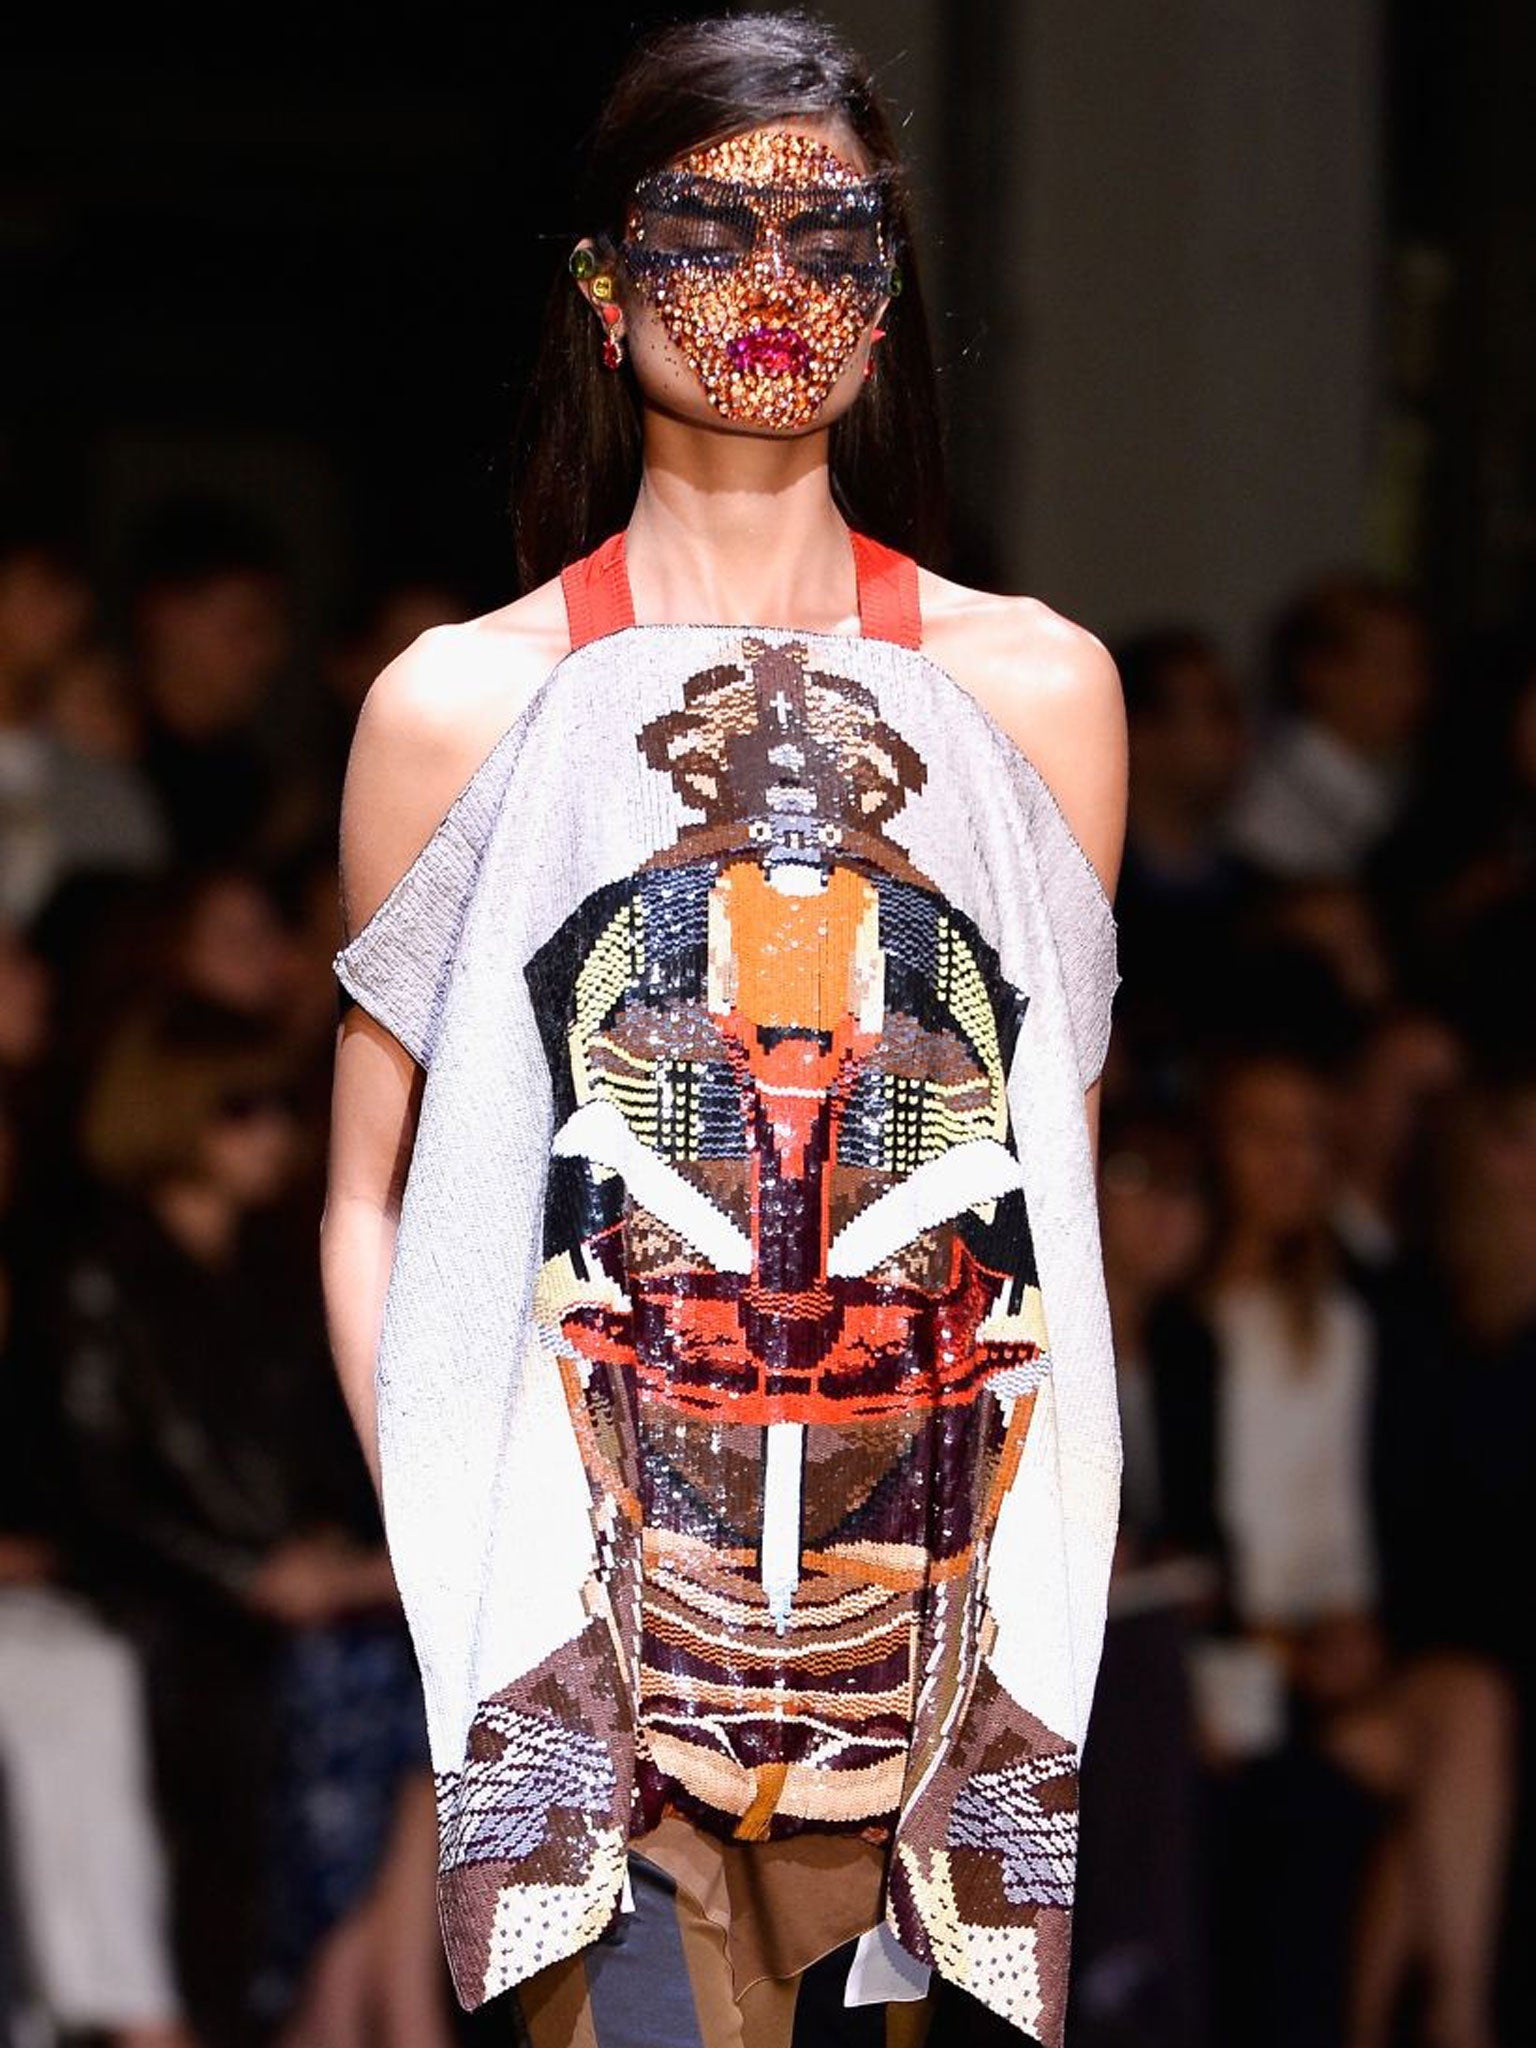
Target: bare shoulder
(1052,686)
(429,720)
(1045,679)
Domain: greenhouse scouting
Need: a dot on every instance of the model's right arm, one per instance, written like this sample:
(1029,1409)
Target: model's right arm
(411,754)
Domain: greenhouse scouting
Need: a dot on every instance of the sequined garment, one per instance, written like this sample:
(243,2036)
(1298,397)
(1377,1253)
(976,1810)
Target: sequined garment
(746,1401)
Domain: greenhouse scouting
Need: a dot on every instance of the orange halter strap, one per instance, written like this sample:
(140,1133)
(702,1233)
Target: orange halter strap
(598,598)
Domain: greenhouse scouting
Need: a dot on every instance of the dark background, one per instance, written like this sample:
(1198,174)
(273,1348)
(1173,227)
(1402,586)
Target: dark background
(306,253)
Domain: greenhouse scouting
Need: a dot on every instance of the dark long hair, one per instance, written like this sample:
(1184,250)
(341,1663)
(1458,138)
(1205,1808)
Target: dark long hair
(577,456)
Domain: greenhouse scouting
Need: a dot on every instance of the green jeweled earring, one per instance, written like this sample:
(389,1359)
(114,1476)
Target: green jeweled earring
(582,263)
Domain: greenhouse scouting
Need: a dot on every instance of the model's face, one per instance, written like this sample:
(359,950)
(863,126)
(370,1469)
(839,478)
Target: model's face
(753,271)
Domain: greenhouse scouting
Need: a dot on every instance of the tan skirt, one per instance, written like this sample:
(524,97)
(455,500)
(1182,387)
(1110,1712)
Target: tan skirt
(718,1962)
(780,1905)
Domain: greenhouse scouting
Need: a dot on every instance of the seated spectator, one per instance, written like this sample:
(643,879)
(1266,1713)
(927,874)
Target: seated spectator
(1306,1706)
(1349,690)
(227,1518)
(66,809)
(86,1905)
(1295,1358)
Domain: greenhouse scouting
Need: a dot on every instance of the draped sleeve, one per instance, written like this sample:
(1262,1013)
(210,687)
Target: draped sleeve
(1083,927)
(399,964)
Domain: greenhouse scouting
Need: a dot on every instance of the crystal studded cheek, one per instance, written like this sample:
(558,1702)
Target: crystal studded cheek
(764,284)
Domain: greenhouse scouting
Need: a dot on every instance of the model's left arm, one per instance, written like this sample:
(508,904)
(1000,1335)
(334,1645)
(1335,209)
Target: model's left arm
(1091,783)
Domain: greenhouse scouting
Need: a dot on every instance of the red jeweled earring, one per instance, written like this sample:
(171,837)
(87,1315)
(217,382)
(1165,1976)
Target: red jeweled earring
(869,361)
(613,344)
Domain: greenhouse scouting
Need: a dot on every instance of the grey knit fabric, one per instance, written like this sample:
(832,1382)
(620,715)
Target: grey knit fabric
(514,1592)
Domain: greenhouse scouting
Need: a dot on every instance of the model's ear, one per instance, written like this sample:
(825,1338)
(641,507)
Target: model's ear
(891,296)
(594,275)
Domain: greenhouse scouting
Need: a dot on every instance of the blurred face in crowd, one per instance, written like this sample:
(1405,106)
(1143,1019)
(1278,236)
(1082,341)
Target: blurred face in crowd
(44,610)
(1274,1141)
(1375,689)
(235,949)
(1192,747)
(211,649)
(251,1144)
(1153,1211)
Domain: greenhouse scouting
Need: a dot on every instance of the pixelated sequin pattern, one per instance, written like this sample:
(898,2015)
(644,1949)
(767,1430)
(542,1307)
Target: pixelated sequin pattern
(982,1872)
(533,1830)
(787,1274)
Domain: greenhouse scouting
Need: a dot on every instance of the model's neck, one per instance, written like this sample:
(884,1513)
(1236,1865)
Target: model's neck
(738,527)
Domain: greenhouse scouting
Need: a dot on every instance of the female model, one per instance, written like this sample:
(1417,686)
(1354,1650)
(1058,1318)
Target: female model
(711,1244)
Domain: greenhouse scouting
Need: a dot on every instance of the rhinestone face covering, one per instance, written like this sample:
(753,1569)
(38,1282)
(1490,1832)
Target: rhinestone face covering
(765,256)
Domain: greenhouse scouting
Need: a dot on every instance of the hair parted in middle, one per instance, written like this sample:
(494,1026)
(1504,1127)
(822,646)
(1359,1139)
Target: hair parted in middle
(577,454)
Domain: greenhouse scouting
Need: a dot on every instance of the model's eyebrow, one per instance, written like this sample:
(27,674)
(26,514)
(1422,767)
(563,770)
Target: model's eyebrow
(705,199)
(704,207)
(828,213)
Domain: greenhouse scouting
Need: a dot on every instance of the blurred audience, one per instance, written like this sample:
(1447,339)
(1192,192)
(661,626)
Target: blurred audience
(225,1520)
(1361,1773)
(1306,1811)
(1306,1808)
(188,1537)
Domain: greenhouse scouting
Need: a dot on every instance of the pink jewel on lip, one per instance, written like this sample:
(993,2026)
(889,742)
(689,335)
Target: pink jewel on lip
(772,351)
